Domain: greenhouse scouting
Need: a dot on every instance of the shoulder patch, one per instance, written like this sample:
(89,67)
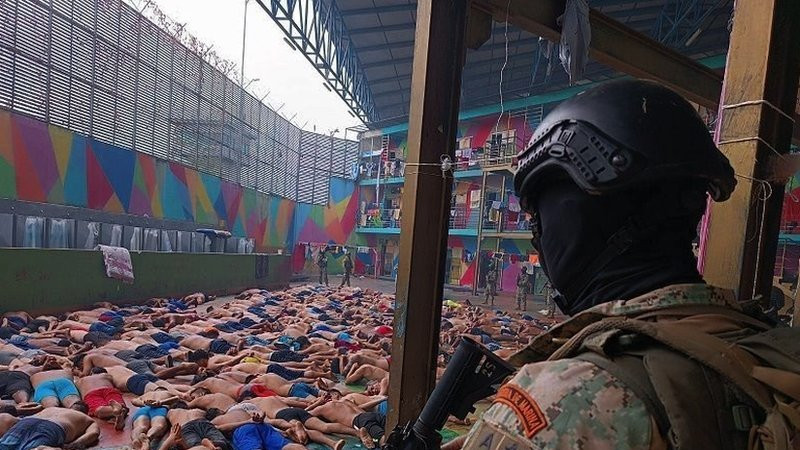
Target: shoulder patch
(524,406)
(488,437)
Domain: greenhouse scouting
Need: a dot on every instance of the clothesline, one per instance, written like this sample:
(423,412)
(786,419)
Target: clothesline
(315,246)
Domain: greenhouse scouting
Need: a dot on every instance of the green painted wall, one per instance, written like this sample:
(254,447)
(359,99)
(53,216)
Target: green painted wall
(48,280)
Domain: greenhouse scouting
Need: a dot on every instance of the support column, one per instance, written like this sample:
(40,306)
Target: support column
(759,95)
(435,92)
(482,206)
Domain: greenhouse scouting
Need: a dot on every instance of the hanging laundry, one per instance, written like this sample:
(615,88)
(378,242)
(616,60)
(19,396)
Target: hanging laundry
(475,199)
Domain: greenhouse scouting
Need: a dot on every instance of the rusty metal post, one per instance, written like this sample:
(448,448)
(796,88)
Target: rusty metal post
(477,260)
(759,97)
(439,54)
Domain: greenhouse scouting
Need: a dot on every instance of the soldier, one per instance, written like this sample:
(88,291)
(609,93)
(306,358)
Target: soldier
(322,263)
(348,270)
(616,179)
(550,307)
(491,281)
(523,287)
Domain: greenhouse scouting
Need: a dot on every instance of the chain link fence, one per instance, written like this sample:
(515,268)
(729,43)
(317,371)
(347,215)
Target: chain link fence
(100,68)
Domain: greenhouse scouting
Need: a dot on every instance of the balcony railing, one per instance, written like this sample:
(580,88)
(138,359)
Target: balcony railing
(492,154)
(463,218)
(380,218)
(504,224)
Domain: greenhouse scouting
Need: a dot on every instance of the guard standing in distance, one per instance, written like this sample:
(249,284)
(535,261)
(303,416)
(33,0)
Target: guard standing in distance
(491,280)
(523,287)
(616,179)
(322,263)
(348,269)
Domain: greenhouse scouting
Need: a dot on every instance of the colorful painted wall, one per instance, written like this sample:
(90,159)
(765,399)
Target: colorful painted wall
(45,163)
(333,224)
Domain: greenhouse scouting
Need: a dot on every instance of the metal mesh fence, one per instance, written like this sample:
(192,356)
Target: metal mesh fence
(99,68)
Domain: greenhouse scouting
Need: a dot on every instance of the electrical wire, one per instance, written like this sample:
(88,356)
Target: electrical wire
(503,69)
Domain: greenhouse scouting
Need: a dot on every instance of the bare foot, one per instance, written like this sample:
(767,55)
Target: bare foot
(120,413)
(366,439)
(136,444)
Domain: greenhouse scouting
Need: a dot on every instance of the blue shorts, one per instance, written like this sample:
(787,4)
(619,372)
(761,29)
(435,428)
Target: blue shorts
(382,408)
(176,304)
(136,384)
(30,433)
(322,327)
(286,356)
(247,322)
(255,340)
(104,328)
(258,436)
(21,341)
(167,346)
(162,337)
(151,412)
(17,322)
(303,390)
(284,372)
(150,351)
(219,346)
(59,388)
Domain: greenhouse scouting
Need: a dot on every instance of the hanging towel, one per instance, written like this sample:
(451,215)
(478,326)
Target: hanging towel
(118,263)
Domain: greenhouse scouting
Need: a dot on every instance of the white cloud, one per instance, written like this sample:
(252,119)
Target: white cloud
(294,86)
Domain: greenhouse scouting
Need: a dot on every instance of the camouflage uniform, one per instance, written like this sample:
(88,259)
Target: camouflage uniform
(571,403)
(523,287)
(491,281)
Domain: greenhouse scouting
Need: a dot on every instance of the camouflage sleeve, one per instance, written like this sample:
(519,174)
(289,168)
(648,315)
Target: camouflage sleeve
(565,404)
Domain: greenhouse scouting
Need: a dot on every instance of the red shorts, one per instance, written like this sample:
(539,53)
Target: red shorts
(259,390)
(254,390)
(102,397)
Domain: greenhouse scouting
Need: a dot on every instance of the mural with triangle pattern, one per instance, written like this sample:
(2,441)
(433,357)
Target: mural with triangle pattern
(46,163)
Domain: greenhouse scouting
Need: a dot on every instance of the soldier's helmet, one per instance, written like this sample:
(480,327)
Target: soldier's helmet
(622,134)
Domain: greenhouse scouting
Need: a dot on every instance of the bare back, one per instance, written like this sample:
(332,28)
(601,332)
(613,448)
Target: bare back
(92,382)
(41,377)
(73,422)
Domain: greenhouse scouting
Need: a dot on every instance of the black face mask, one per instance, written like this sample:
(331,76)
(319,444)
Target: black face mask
(574,229)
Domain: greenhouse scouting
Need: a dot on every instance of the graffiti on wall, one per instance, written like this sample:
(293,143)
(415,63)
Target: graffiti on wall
(45,163)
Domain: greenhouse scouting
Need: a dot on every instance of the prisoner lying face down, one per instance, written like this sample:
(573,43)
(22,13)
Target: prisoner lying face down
(264,370)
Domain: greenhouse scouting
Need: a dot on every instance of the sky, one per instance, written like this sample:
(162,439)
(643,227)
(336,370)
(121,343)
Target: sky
(294,86)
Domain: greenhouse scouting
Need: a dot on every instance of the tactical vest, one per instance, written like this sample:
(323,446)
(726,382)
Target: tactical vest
(736,388)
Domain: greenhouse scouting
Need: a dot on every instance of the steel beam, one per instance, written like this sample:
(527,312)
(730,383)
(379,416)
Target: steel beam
(617,46)
(439,55)
(762,71)
(321,37)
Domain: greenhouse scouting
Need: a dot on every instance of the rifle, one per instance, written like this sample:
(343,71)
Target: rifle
(473,374)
